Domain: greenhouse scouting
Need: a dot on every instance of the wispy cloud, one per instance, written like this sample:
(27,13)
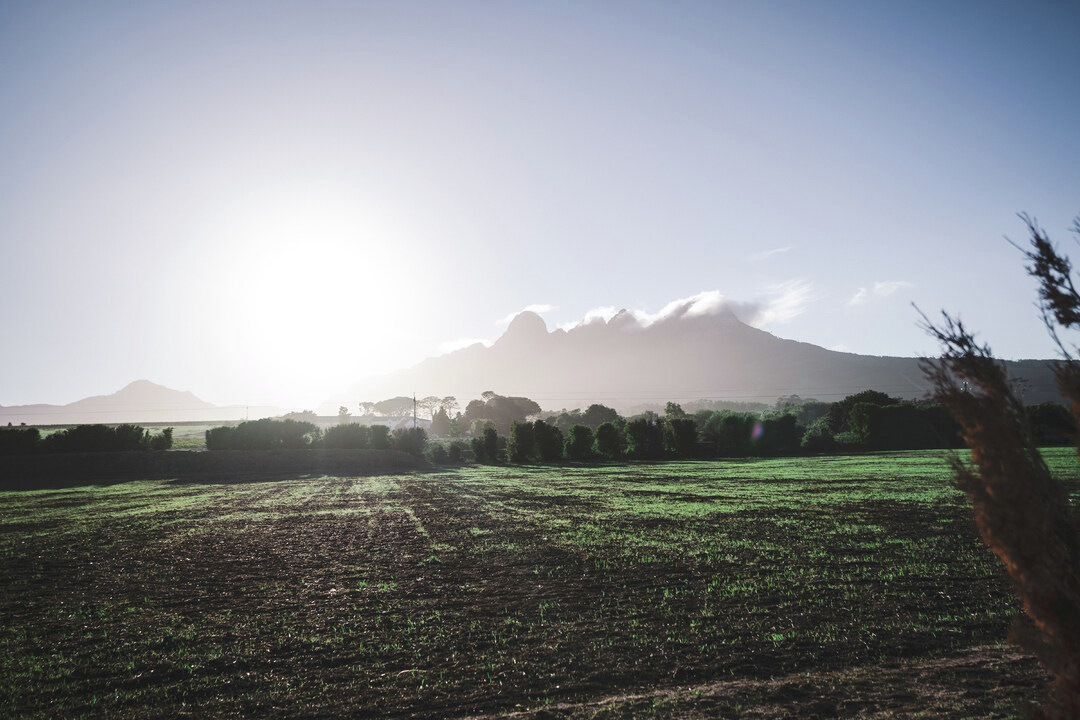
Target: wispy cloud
(538,308)
(859,297)
(451,345)
(758,257)
(878,289)
(783,302)
(885,289)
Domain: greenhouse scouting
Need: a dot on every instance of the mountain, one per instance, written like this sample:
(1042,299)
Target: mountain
(139,402)
(685,355)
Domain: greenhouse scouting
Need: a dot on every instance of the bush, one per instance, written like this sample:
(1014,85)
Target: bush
(162,441)
(19,441)
(265,434)
(379,437)
(436,454)
(97,438)
(410,440)
(456,453)
(348,437)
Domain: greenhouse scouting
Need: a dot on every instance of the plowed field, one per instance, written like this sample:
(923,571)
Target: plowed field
(852,586)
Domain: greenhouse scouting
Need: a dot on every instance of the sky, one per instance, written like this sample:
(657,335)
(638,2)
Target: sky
(263,202)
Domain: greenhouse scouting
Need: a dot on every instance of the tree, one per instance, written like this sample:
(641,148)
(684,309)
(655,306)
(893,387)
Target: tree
(579,443)
(838,412)
(397,407)
(1022,512)
(674,410)
(449,405)
(548,441)
(607,441)
(596,414)
(490,439)
(680,436)
(645,438)
(429,405)
(343,415)
(440,423)
(519,446)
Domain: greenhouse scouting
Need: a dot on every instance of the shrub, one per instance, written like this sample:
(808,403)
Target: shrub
(265,434)
(97,438)
(19,441)
(163,441)
(348,437)
(410,440)
(436,454)
(379,437)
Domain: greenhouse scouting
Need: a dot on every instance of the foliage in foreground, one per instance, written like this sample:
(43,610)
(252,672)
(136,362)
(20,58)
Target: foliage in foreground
(1022,512)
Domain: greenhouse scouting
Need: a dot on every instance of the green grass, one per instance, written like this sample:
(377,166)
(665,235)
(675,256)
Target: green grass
(488,590)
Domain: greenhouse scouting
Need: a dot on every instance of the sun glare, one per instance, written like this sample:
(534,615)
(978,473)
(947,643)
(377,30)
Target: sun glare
(311,291)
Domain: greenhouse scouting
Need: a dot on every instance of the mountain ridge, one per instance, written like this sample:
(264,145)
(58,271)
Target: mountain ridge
(684,355)
(140,401)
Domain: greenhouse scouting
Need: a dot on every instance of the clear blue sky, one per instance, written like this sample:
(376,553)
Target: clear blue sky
(262,202)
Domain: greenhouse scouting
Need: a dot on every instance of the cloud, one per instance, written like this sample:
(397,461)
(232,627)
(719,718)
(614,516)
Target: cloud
(779,304)
(451,345)
(783,303)
(885,289)
(538,308)
(704,303)
(597,314)
(758,257)
(879,289)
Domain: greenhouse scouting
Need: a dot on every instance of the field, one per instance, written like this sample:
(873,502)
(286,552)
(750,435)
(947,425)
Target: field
(822,587)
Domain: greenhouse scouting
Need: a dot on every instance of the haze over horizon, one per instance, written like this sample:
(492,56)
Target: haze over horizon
(263,203)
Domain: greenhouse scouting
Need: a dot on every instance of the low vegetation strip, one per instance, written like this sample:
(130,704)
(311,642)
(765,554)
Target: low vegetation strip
(28,472)
(578,591)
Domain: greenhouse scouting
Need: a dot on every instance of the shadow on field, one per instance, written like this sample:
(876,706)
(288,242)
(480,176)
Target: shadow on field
(41,472)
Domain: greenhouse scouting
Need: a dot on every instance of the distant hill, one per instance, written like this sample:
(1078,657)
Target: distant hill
(684,356)
(139,402)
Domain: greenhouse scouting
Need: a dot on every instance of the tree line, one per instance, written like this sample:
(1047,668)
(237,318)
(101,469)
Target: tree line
(83,438)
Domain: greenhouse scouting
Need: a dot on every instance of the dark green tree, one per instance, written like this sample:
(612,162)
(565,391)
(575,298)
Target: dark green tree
(579,443)
(548,441)
(519,446)
(680,437)
(607,441)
